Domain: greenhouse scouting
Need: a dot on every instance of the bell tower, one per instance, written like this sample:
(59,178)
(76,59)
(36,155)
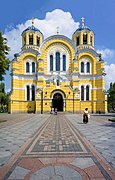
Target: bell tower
(32,37)
(83,37)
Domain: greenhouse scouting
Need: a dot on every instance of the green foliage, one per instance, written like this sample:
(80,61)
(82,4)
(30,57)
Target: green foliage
(111,97)
(4,99)
(2,88)
(4,61)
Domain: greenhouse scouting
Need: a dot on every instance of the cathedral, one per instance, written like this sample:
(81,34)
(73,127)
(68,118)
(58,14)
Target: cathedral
(57,72)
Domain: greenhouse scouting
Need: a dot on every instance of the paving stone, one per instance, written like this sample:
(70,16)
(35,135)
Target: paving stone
(49,171)
(18,173)
(39,176)
(100,134)
(83,162)
(57,137)
(67,172)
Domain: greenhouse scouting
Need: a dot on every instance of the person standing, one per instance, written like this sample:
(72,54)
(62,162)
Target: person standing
(85,116)
(55,111)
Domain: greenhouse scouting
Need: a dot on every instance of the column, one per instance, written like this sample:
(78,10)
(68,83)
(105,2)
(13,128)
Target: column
(27,39)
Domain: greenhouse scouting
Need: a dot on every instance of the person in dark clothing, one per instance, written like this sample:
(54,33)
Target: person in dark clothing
(85,116)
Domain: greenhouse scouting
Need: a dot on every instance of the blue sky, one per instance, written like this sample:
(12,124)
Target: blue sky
(99,16)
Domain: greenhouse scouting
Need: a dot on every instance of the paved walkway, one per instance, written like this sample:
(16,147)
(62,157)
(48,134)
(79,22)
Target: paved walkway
(57,147)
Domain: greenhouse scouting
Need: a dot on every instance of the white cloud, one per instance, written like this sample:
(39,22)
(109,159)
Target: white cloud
(106,53)
(110,77)
(47,26)
(109,56)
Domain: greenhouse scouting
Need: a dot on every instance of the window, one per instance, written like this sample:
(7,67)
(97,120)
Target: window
(27,67)
(24,40)
(57,61)
(91,40)
(38,41)
(51,62)
(84,38)
(64,62)
(31,39)
(77,41)
(57,82)
(87,93)
(33,67)
(82,93)
(28,93)
(33,93)
(82,67)
(88,67)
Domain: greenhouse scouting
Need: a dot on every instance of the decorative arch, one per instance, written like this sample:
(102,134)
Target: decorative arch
(58,100)
(60,63)
(30,65)
(58,91)
(85,91)
(30,91)
(85,64)
(57,41)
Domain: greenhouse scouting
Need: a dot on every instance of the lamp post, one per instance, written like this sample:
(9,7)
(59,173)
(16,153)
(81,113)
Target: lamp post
(41,93)
(73,100)
(41,101)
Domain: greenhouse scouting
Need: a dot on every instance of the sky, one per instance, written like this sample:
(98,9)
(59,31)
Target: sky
(99,15)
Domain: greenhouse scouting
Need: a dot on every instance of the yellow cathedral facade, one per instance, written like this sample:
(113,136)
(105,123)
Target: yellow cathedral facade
(57,72)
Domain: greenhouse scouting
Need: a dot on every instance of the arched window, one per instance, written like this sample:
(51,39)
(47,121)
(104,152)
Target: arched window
(51,62)
(82,93)
(38,41)
(33,67)
(84,38)
(33,93)
(77,41)
(87,93)
(64,62)
(31,39)
(82,67)
(57,82)
(27,67)
(57,61)
(88,67)
(28,93)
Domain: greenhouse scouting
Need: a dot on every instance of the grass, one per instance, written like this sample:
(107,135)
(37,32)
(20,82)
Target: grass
(112,119)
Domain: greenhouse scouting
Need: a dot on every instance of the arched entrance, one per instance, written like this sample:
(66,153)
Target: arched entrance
(57,102)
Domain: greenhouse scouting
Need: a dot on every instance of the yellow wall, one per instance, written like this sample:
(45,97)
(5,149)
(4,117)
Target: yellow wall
(18,103)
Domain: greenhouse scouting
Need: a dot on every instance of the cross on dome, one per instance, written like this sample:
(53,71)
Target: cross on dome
(57,29)
(83,21)
(32,21)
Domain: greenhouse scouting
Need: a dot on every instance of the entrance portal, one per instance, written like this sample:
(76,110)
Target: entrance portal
(57,102)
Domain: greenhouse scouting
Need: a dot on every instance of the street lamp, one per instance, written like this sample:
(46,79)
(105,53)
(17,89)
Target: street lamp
(40,90)
(73,100)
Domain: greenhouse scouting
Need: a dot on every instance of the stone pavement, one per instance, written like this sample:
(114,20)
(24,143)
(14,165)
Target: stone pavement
(57,147)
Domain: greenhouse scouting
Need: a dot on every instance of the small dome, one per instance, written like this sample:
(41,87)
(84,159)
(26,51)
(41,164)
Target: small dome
(31,28)
(83,27)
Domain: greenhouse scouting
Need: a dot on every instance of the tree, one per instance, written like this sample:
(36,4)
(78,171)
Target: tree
(111,97)
(4,61)
(4,99)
